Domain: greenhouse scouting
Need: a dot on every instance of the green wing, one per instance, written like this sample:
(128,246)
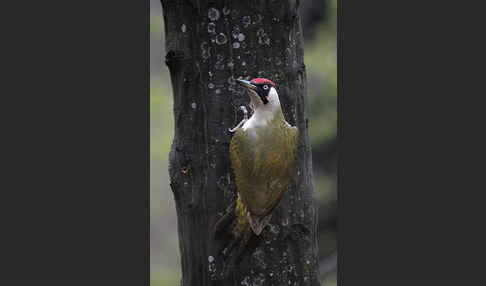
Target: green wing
(263,168)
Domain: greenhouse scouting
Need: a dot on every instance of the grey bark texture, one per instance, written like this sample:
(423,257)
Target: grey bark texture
(209,44)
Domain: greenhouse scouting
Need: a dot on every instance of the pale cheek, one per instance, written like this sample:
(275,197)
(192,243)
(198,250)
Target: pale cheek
(272,98)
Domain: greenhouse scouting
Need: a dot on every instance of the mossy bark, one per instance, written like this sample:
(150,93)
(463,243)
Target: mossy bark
(209,44)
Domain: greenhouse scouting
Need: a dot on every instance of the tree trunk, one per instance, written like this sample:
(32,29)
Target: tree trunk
(209,44)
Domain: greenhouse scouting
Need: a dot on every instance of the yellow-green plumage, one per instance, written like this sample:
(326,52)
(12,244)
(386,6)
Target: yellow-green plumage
(263,161)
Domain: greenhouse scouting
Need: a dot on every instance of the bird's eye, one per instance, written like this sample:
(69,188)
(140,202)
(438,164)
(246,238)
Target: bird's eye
(265,87)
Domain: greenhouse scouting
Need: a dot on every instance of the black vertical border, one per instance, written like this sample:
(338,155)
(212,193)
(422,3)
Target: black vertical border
(77,162)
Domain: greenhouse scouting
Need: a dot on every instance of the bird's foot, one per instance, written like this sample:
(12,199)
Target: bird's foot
(245,112)
(245,118)
(232,130)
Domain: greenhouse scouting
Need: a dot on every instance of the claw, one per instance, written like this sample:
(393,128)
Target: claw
(245,112)
(245,118)
(232,130)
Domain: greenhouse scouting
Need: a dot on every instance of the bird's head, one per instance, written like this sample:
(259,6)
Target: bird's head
(262,91)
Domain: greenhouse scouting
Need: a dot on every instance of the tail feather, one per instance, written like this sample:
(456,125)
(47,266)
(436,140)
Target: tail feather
(236,230)
(241,221)
(258,223)
(222,225)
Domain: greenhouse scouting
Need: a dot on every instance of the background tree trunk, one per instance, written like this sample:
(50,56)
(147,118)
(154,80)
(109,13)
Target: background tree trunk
(209,44)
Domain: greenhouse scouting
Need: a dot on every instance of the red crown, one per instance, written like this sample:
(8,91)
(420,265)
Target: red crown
(260,80)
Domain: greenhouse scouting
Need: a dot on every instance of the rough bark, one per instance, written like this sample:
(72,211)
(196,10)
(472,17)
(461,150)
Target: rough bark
(209,44)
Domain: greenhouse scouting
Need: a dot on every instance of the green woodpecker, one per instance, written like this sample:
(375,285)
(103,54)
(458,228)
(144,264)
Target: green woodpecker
(263,151)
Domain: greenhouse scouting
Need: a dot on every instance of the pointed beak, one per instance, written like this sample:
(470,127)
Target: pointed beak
(246,84)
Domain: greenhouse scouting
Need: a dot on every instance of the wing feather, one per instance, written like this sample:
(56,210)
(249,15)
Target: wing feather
(263,163)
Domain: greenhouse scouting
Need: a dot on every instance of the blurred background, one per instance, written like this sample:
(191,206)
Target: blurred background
(319,25)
